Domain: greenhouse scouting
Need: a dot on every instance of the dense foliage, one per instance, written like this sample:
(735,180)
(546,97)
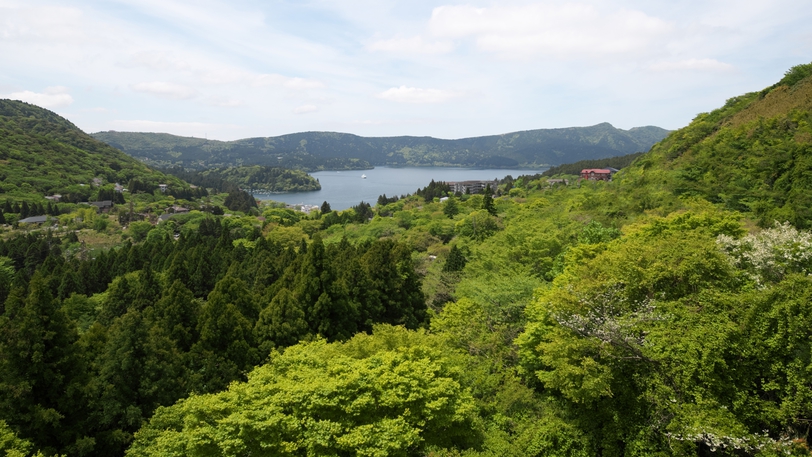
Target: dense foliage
(575,168)
(267,179)
(326,151)
(649,315)
(88,349)
(44,154)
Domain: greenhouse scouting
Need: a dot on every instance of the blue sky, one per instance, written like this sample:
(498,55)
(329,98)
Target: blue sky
(241,68)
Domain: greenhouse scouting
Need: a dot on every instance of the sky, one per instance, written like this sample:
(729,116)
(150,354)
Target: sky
(240,68)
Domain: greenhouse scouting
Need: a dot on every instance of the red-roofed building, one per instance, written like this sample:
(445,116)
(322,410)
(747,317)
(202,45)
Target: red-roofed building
(596,174)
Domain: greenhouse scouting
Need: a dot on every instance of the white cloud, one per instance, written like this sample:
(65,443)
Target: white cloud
(304,109)
(563,30)
(405,94)
(413,45)
(51,97)
(288,82)
(201,14)
(158,60)
(224,102)
(691,65)
(165,90)
(43,23)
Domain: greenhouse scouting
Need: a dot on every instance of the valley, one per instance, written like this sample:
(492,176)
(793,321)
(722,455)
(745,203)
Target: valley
(667,311)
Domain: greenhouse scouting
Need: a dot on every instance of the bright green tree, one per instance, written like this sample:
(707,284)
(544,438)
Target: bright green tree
(362,398)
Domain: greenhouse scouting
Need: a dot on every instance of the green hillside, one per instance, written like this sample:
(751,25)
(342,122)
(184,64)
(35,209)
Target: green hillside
(266,179)
(753,155)
(650,315)
(326,150)
(42,153)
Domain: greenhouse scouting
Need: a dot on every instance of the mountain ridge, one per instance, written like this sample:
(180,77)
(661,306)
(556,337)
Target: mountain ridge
(336,150)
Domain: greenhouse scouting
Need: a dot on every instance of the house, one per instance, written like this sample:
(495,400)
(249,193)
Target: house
(54,198)
(177,209)
(34,220)
(162,187)
(554,181)
(103,205)
(596,174)
(472,187)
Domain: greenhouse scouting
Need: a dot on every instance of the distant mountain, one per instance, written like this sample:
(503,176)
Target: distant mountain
(42,153)
(329,150)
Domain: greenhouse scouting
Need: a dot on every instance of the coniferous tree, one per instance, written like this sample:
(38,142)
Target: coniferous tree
(325,207)
(487,201)
(40,368)
(120,296)
(225,349)
(455,260)
(6,278)
(451,208)
(177,313)
(282,323)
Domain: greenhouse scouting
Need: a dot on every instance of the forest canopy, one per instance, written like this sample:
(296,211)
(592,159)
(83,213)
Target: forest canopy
(667,312)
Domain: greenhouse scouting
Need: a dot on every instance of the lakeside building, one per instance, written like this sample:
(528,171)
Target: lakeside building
(472,187)
(597,174)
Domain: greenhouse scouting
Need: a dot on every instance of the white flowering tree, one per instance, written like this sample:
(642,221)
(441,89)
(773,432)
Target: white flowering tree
(772,254)
(655,341)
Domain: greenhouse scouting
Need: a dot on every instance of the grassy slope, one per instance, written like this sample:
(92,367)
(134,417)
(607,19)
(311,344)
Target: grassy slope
(753,155)
(42,153)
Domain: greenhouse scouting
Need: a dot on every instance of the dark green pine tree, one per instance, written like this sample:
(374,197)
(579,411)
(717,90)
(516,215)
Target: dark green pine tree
(177,313)
(120,297)
(147,290)
(487,201)
(70,283)
(41,370)
(325,207)
(281,324)
(234,290)
(451,208)
(394,294)
(140,368)
(6,278)
(327,308)
(225,349)
(455,261)
(24,210)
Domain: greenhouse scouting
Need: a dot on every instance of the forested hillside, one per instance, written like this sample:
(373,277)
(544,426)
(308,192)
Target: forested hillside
(667,312)
(267,179)
(42,154)
(326,150)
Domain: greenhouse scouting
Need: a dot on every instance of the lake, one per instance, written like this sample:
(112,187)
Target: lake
(343,189)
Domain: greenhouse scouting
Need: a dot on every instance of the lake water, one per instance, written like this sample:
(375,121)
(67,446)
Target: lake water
(343,189)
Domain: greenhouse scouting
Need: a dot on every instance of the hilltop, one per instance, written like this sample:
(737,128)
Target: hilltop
(753,155)
(328,150)
(43,153)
